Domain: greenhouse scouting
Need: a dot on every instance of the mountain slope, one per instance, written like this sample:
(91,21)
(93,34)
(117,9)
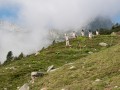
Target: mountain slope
(15,73)
(100,22)
(99,71)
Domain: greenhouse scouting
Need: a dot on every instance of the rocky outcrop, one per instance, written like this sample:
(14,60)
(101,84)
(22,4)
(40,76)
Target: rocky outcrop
(25,87)
(50,68)
(36,74)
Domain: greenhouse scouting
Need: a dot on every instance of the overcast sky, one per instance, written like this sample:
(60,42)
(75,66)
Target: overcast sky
(37,16)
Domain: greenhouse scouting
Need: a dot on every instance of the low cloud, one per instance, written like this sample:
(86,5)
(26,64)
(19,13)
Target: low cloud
(38,16)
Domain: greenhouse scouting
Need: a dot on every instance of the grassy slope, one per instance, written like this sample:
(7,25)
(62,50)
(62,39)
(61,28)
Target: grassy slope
(104,65)
(57,55)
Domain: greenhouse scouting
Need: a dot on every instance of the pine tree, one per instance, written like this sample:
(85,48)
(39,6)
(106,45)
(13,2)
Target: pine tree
(21,56)
(9,56)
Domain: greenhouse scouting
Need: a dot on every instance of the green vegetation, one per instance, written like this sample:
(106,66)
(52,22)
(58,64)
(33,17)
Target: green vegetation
(103,63)
(99,71)
(115,28)
(9,57)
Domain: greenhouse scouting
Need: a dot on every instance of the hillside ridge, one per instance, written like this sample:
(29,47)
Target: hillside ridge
(17,72)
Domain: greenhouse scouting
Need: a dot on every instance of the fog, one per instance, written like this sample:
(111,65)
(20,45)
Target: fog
(37,17)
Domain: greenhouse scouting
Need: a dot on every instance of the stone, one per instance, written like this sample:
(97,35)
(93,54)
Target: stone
(25,87)
(37,53)
(116,87)
(43,89)
(5,88)
(69,63)
(103,44)
(90,52)
(95,49)
(63,89)
(83,66)
(29,65)
(50,68)
(113,34)
(36,74)
(72,67)
(53,70)
(97,80)
(18,88)
(13,68)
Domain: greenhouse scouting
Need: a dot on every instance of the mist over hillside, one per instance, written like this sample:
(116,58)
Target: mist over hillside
(17,39)
(35,40)
(97,23)
(100,22)
(39,16)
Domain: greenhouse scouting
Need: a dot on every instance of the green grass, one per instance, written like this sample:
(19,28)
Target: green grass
(104,65)
(59,55)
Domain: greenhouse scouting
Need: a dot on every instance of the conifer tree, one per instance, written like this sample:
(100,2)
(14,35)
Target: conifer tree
(9,56)
(21,56)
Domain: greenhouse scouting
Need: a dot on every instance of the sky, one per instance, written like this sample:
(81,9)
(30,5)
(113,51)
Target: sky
(38,16)
(13,10)
(9,13)
(116,19)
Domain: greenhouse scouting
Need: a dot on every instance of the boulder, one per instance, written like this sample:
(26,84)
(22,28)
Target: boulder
(103,44)
(50,68)
(113,34)
(25,87)
(36,74)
